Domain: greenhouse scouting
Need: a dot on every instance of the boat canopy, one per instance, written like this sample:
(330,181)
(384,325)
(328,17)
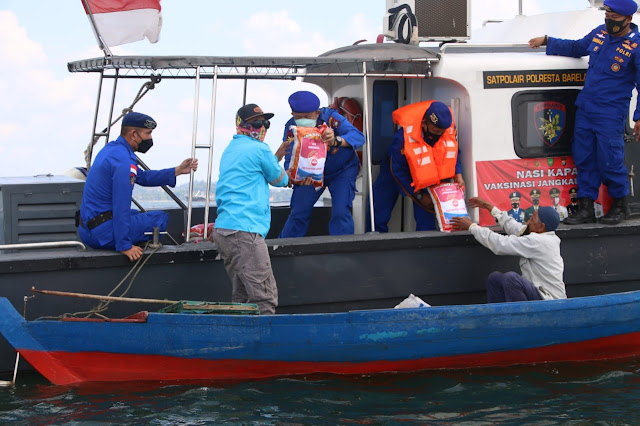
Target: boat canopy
(384,59)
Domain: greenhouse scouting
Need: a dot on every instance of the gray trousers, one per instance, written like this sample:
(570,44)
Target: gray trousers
(246,259)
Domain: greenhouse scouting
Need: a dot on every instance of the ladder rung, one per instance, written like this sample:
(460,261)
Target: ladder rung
(203,146)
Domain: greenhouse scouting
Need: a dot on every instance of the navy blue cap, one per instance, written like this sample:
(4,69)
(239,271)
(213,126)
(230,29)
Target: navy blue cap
(137,119)
(549,217)
(514,194)
(622,7)
(304,101)
(439,115)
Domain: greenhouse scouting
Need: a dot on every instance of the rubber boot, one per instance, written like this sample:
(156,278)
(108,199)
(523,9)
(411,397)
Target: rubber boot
(586,213)
(617,213)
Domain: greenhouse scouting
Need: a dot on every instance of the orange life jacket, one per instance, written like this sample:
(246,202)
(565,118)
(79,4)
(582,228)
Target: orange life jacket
(428,165)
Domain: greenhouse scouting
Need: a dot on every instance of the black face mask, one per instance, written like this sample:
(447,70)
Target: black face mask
(515,205)
(614,27)
(145,145)
(430,137)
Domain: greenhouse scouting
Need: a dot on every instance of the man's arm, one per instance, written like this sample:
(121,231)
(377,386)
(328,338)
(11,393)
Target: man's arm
(510,245)
(636,114)
(287,137)
(398,163)
(273,173)
(121,189)
(347,131)
(563,47)
(508,223)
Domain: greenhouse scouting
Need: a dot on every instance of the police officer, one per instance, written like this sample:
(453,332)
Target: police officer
(555,198)
(573,206)
(516,212)
(433,133)
(603,103)
(535,201)
(106,218)
(340,169)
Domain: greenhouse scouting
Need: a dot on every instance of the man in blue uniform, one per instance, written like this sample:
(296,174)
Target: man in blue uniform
(516,212)
(247,168)
(395,175)
(340,169)
(535,201)
(106,218)
(603,104)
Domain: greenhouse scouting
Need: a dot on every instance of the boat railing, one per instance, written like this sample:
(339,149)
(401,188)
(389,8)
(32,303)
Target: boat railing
(52,244)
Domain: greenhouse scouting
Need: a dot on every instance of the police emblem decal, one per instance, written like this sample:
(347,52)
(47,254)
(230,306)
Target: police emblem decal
(615,67)
(550,118)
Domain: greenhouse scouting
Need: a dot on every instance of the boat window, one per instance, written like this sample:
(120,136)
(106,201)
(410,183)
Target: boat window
(543,122)
(385,101)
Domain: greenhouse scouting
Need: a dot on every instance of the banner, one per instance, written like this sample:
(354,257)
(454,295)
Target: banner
(520,186)
(125,21)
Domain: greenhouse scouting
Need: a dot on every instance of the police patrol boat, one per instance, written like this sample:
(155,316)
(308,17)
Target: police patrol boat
(514,109)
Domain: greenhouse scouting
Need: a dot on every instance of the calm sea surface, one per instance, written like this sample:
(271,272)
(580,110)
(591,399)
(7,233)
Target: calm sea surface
(599,393)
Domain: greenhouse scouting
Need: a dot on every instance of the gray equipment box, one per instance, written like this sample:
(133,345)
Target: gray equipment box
(39,208)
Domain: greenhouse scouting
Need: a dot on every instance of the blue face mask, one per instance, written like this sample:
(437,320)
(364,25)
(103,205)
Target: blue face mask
(306,122)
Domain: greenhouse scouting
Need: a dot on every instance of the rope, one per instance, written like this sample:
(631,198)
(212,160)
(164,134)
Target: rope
(144,89)
(103,305)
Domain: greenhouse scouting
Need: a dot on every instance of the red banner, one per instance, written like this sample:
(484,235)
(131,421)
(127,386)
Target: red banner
(520,186)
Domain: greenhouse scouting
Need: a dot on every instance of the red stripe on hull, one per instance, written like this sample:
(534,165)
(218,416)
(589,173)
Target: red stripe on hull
(64,368)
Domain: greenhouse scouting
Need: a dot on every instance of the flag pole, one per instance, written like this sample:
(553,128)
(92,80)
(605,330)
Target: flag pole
(101,42)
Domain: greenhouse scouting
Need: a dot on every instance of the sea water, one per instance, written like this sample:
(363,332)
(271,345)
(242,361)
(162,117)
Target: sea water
(604,393)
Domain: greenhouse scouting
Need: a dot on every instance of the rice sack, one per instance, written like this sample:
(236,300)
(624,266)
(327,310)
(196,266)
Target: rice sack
(308,154)
(448,202)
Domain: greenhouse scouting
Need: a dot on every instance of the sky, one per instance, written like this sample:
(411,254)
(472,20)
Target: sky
(46,113)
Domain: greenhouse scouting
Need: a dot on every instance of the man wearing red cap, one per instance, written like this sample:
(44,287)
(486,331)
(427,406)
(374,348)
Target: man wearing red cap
(423,152)
(340,169)
(106,219)
(603,105)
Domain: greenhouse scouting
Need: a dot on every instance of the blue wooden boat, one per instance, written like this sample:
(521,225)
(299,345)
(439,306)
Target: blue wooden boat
(181,346)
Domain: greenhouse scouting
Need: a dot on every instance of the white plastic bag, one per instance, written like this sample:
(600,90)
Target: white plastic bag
(412,302)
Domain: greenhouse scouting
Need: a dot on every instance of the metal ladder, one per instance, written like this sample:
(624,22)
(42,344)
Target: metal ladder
(209,146)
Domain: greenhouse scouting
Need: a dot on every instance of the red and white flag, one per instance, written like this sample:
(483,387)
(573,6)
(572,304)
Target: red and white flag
(126,21)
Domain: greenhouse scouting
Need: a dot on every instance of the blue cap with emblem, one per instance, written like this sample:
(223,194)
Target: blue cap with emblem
(303,101)
(439,115)
(623,7)
(137,119)
(549,217)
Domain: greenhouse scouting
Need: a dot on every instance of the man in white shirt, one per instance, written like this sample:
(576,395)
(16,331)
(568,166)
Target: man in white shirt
(537,245)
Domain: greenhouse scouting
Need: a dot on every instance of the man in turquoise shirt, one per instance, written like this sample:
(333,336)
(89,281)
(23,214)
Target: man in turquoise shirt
(247,168)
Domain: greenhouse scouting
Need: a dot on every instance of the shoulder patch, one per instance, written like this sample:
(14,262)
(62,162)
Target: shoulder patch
(333,123)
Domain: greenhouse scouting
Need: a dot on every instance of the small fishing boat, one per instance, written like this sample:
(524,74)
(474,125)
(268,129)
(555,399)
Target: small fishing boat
(185,346)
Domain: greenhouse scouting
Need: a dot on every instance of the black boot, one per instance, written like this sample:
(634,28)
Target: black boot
(585,214)
(617,213)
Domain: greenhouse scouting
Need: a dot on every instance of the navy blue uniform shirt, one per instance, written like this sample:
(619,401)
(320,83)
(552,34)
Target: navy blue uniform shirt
(614,69)
(110,183)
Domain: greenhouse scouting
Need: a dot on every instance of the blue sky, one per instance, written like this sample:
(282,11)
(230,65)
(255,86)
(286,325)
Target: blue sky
(46,113)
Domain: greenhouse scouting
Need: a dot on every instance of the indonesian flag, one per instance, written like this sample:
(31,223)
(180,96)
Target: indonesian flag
(126,21)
